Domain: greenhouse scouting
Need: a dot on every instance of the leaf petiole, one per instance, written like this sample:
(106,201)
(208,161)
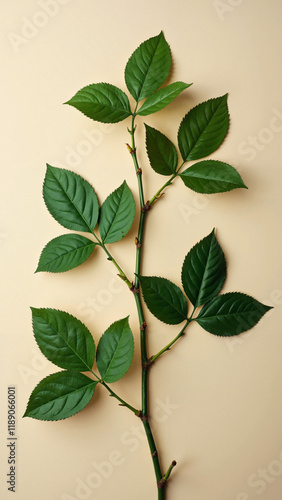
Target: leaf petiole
(158,194)
(168,346)
(121,401)
(114,395)
(121,274)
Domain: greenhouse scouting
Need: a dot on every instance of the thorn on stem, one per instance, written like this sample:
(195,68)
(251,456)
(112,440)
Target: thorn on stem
(146,207)
(147,364)
(142,417)
(160,195)
(161,483)
(130,149)
(131,131)
(143,326)
(137,243)
(139,171)
(133,289)
(121,276)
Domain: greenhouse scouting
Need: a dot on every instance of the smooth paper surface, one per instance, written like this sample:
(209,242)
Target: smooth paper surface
(216,403)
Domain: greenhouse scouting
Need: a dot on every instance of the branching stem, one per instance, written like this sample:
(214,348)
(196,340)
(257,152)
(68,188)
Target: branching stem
(168,346)
(121,274)
(144,207)
(168,183)
(121,401)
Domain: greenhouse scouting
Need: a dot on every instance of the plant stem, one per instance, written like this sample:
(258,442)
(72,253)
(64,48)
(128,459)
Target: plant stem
(172,465)
(121,274)
(139,244)
(168,183)
(168,346)
(142,324)
(154,454)
(122,402)
(112,393)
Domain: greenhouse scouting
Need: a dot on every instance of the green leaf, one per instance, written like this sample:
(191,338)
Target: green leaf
(148,67)
(162,98)
(63,339)
(64,253)
(204,270)
(115,351)
(203,129)
(70,199)
(164,299)
(161,152)
(211,176)
(102,102)
(60,396)
(117,214)
(231,314)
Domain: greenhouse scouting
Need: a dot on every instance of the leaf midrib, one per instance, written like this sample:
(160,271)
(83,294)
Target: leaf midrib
(76,208)
(227,314)
(73,250)
(204,273)
(170,304)
(198,176)
(113,355)
(110,104)
(116,213)
(148,105)
(147,72)
(67,343)
(203,131)
(64,395)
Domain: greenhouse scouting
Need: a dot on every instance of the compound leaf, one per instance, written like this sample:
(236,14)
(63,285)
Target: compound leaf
(63,339)
(70,199)
(162,98)
(64,253)
(211,176)
(231,314)
(115,351)
(161,152)
(203,129)
(102,102)
(204,270)
(164,299)
(148,67)
(117,214)
(60,396)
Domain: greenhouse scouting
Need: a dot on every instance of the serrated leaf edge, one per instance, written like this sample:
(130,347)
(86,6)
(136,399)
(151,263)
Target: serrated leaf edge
(165,279)
(72,317)
(124,185)
(205,102)
(50,167)
(133,343)
(58,419)
(60,272)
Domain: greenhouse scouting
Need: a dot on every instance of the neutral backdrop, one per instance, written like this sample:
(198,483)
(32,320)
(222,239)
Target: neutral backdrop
(216,403)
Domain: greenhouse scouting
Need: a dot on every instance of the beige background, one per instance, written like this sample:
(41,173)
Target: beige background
(216,403)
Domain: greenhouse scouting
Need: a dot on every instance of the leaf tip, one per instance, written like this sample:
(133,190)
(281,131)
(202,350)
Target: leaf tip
(267,308)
